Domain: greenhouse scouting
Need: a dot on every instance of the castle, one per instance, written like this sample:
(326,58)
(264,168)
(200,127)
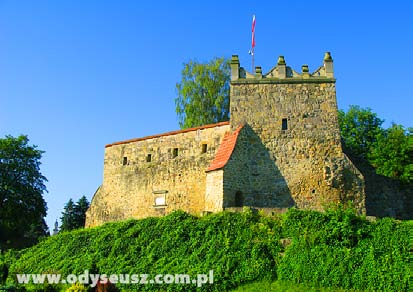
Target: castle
(281,148)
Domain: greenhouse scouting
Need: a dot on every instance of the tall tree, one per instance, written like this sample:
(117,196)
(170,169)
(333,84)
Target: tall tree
(68,216)
(80,212)
(74,215)
(390,153)
(203,93)
(359,129)
(364,138)
(410,145)
(22,207)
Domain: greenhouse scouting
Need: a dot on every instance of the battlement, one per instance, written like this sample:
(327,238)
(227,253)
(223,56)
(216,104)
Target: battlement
(282,73)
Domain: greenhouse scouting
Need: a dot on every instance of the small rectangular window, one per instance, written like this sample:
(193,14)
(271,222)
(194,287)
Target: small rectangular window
(284,125)
(175,153)
(125,160)
(149,158)
(204,148)
(160,201)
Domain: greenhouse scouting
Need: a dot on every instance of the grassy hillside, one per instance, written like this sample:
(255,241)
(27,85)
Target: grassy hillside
(332,249)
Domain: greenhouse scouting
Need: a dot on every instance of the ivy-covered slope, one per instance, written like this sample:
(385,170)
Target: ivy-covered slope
(332,249)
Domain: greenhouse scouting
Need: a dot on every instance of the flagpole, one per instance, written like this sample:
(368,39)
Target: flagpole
(253,43)
(252,61)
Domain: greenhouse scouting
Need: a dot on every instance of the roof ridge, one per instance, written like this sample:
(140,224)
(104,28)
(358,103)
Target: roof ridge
(169,133)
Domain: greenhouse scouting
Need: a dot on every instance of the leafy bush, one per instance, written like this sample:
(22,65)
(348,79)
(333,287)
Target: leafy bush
(279,286)
(238,247)
(339,249)
(77,288)
(12,288)
(6,260)
(332,249)
(337,227)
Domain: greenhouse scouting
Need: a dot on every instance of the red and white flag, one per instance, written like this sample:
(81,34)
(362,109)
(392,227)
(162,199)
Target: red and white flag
(253,34)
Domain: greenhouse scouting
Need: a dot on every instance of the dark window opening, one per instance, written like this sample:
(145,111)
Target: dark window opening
(175,153)
(149,158)
(284,125)
(239,199)
(204,148)
(125,160)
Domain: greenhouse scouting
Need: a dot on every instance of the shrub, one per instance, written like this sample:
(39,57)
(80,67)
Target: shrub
(238,247)
(339,249)
(331,249)
(77,288)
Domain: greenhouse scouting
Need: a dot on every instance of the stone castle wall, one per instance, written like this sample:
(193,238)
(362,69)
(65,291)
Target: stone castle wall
(295,137)
(281,148)
(132,184)
(253,174)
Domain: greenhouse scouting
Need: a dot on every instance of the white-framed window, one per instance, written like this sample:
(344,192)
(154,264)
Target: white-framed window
(160,200)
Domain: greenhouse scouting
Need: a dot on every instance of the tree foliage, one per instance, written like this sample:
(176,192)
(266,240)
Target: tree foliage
(359,129)
(387,150)
(203,93)
(410,153)
(22,207)
(74,215)
(390,153)
(68,216)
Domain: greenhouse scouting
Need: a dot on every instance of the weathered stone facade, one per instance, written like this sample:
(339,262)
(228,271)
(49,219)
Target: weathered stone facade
(281,148)
(296,142)
(132,183)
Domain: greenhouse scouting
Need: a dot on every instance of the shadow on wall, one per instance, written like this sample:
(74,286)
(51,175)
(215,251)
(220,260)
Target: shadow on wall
(385,197)
(252,178)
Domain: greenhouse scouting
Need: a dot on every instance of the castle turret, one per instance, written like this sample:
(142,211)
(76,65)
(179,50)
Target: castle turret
(328,65)
(295,117)
(56,228)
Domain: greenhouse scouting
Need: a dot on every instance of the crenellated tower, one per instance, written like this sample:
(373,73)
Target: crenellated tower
(281,148)
(294,115)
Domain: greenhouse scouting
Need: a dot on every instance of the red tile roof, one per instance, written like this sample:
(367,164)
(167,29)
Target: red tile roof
(169,133)
(225,150)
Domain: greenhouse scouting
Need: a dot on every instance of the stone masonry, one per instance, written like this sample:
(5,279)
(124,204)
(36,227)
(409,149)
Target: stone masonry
(280,149)
(155,175)
(295,154)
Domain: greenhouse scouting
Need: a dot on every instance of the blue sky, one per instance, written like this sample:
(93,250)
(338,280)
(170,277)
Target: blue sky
(76,75)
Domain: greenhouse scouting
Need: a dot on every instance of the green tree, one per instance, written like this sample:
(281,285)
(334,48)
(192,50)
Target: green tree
(22,207)
(364,138)
(74,215)
(410,145)
(203,93)
(80,212)
(68,216)
(390,153)
(359,129)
